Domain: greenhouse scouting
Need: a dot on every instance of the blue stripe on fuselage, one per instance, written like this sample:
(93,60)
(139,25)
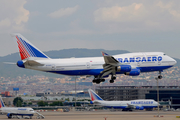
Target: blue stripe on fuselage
(97,71)
(22,114)
(123,107)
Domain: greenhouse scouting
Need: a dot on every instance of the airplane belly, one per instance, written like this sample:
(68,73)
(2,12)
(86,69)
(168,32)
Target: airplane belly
(78,72)
(153,68)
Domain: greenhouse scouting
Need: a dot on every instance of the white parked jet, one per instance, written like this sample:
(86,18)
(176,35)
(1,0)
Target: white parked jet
(100,67)
(124,105)
(15,111)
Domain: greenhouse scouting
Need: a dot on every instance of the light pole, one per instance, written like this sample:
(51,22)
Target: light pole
(157,94)
(75,93)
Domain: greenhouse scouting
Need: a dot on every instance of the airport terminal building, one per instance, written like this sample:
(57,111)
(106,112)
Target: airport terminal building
(166,93)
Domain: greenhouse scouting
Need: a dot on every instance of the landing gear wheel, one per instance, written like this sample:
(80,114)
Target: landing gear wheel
(160,77)
(111,81)
(114,78)
(102,80)
(98,81)
(94,81)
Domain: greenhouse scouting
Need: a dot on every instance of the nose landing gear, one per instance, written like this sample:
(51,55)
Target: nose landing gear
(159,76)
(112,79)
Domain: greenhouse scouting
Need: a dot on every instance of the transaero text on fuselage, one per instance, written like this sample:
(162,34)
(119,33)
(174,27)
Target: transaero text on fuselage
(140,59)
(142,102)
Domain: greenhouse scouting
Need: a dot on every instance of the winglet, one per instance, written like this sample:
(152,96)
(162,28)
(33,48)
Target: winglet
(104,54)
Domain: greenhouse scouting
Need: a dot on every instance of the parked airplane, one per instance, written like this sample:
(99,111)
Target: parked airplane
(100,67)
(15,111)
(139,104)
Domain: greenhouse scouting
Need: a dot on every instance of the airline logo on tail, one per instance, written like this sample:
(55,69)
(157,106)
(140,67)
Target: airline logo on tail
(1,103)
(94,96)
(26,49)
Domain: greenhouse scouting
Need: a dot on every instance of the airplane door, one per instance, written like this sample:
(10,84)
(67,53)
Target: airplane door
(138,63)
(53,67)
(88,65)
(159,62)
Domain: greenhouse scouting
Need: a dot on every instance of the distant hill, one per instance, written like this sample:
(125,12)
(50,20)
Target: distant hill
(7,70)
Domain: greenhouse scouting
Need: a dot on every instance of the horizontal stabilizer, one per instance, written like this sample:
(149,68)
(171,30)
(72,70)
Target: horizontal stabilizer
(33,63)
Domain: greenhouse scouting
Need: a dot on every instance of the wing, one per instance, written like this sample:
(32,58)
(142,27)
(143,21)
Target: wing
(109,59)
(131,106)
(110,65)
(97,102)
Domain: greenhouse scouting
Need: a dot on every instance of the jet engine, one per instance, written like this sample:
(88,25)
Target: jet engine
(141,108)
(123,68)
(133,72)
(9,115)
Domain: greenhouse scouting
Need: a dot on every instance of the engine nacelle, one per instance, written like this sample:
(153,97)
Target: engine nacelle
(91,102)
(133,72)
(9,115)
(123,68)
(20,63)
(141,108)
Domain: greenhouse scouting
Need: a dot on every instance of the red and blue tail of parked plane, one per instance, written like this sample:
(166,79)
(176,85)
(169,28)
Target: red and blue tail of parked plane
(93,95)
(26,49)
(1,103)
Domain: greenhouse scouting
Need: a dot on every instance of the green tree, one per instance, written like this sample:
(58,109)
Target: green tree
(67,99)
(17,101)
(24,103)
(56,103)
(46,103)
(30,103)
(73,99)
(42,103)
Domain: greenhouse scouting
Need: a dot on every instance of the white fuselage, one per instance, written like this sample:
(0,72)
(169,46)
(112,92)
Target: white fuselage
(145,103)
(17,110)
(146,62)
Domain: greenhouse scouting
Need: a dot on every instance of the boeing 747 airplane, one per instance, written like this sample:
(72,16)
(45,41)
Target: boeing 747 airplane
(131,64)
(124,105)
(16,111)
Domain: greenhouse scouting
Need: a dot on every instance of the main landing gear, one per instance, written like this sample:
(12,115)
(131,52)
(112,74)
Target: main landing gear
(97,81)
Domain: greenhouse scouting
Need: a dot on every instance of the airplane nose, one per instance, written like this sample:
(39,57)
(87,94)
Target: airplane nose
(157,103)
(174,61)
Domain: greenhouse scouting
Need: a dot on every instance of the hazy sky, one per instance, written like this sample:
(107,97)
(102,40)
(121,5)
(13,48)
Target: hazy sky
(133,25)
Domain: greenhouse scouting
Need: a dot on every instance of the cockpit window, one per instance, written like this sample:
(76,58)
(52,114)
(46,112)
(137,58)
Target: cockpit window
(164,54)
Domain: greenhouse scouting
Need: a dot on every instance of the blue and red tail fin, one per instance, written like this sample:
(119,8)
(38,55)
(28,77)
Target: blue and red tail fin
(26,49)
(1,103)
(93,95)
